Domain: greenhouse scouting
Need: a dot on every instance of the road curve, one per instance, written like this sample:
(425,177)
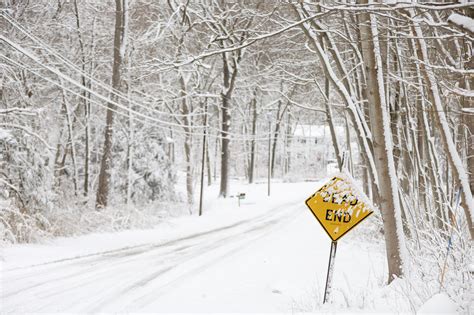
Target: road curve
(130,277)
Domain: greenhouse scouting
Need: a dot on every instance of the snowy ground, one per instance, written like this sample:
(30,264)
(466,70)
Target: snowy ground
(268,255)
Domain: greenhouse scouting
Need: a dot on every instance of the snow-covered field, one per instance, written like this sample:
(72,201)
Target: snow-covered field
(268,255)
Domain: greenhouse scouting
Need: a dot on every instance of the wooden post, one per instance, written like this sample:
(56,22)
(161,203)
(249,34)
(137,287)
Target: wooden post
(269,154)
(203,162)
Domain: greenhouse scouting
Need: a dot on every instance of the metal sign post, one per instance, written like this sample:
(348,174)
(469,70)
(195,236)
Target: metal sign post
(332,259)
(332,252)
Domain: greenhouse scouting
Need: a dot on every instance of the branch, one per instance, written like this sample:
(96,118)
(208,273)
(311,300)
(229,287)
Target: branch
(247,43)
(462,21)
(377,7)
(28,132)
(22,111)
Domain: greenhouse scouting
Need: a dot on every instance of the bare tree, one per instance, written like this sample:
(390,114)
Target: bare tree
(383,148)
(120,42)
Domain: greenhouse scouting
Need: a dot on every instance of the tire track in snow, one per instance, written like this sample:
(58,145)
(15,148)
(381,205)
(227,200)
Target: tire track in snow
(169,263)
(151,294)
(99,257)
(147,246)
(104,265)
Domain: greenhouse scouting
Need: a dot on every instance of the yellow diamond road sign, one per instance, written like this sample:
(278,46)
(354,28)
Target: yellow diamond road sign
(337,207)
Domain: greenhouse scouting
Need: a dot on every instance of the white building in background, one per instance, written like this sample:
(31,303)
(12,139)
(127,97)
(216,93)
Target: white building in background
(312,149)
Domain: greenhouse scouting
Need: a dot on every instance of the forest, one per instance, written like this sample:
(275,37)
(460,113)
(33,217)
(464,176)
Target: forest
(107,106)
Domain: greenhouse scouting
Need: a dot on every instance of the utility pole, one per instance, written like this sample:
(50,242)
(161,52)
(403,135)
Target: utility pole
(269,153)
(203,162)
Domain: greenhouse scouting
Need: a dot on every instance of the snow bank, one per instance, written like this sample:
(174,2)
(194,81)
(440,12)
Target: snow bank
(438,304)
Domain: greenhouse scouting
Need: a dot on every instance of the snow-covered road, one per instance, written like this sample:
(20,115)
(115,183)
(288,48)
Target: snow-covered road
(131,277)
(273,262)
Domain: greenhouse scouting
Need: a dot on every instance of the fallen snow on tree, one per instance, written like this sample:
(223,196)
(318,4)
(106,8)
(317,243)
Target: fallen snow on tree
(462,21)
(5,134)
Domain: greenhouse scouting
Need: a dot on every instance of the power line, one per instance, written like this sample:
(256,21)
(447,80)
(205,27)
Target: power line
(69,63)
(233,136)
(83,97)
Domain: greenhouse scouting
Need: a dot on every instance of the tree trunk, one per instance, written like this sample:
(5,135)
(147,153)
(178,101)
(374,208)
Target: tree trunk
(276,133)
(120,38)
(389,202)
(253,143)
(208,164)
(71,141)
(188,140)
(289,143)
(458,170)
(330,120)
(353,110)
(85,101)
(130,140)
(225,147)
(229,77)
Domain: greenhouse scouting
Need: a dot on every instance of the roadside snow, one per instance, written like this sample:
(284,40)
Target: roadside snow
(268,255)
(439,304)
(217,213)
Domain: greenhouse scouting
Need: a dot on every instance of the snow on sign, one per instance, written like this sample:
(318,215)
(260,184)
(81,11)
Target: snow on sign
(337,207)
